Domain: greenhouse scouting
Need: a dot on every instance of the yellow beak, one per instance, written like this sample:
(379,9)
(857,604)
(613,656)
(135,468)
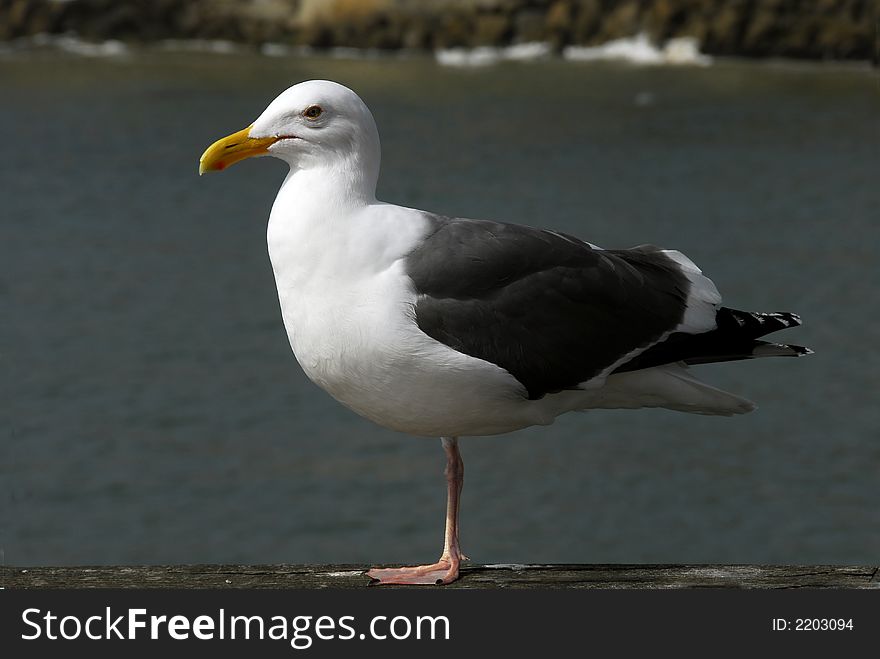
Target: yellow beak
(229,150)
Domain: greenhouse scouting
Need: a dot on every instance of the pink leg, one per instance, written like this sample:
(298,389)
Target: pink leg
(445,570)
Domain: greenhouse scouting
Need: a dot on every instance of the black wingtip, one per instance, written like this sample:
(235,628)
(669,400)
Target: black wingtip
(787,318)
(765,349)
(753,324)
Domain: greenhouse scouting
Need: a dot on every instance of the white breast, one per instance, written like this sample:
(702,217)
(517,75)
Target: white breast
(347,305)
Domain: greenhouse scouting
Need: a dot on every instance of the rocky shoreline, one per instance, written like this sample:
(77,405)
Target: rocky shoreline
(802,29)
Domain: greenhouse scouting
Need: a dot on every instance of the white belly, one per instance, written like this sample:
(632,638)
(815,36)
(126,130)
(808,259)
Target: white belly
(360,343)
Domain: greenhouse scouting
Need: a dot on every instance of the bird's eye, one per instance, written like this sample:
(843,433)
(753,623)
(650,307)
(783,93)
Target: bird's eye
(312,112)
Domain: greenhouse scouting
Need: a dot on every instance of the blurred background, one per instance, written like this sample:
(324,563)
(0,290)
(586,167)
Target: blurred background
(152,411)
(811,29)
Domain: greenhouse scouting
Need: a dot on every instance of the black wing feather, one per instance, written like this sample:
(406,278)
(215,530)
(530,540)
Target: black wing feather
(547,307)
(734,338)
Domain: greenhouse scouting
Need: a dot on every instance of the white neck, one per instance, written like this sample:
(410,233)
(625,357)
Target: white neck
(314,208)
(325,191)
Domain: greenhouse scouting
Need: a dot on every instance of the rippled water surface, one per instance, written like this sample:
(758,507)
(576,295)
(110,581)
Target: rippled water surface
(153,413)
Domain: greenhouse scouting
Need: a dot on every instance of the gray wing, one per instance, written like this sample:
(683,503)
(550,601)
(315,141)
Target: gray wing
(550,309)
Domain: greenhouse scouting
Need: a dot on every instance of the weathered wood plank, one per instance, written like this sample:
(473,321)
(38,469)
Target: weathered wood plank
(473,576)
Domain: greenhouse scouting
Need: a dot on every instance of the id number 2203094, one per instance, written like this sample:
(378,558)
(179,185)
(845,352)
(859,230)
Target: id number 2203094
(812,624)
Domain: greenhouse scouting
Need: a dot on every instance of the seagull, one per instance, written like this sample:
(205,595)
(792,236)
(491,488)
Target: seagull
(446,327)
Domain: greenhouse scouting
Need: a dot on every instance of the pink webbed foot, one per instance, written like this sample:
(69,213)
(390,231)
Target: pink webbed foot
(442,572)
(445,570)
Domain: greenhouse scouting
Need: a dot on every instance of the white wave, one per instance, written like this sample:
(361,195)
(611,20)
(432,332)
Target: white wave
(68,43)
(271,49)
(531,50)
(483,56)
(346,52)
(487,55)
(276,50)
(640,50)
(75,45)
(218,46)
(685,50)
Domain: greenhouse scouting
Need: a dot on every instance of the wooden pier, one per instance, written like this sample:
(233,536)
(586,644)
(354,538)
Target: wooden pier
(473,576)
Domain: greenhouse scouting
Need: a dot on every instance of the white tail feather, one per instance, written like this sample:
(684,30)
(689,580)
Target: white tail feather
(704,297)
(673,387)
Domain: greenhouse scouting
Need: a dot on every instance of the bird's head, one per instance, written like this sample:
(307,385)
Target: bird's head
(314,124)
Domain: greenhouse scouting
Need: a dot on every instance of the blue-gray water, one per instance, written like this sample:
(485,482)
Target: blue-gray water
(153,413)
